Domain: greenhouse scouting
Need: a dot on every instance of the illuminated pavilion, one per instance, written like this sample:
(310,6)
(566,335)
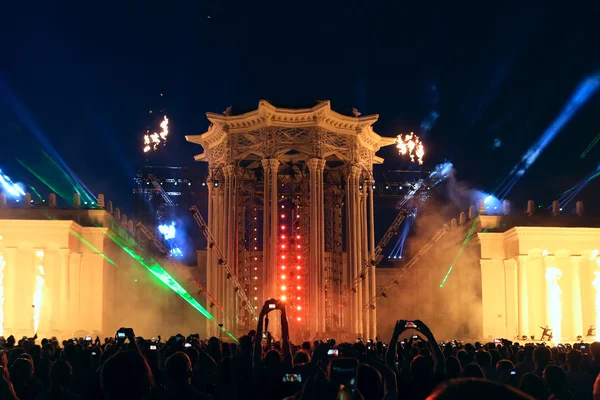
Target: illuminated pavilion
(282,182)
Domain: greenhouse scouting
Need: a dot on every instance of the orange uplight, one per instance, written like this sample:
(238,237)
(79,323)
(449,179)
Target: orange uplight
(298,277)
(282,226)
(283,236)
(283,267)
(298,287)
(299,319)
(283,246)
(283,277)
(298,308)
(283,257)
(282,215)
(283,298)
(298,257)
(282,206)
(297,236)
(298,267)
(283,288)
(298,246)
(298,298)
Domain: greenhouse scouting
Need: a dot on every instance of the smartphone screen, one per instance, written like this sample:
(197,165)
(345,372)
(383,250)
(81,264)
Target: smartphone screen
(88,338)
(410,325)
(292,378)
(187,345)
(513,372)
(272,306)
(343,372)
(152,347)
(333,352)
(121,335)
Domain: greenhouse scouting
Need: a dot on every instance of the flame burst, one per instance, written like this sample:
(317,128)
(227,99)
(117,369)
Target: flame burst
(151,141)
(38,294)
(596,283)
(554,303)
(411,145)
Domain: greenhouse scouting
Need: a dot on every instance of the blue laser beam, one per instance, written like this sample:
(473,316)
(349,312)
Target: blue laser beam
(27,120)
(582,94)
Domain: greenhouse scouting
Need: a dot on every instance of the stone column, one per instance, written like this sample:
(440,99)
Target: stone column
(74,292)
(512,296)
(266,269)
(219,237)
(25,268)
(523,297)
(210,274)
(365,256)
(10,288)
(65,265)
(273,241)
(372,272)
(314,257)
(536,292)
(577,306)
(229,244)
(321,235)
(358,255)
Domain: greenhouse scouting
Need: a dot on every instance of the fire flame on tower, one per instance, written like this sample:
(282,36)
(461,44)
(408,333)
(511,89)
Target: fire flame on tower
(411,144)
(554,304)
(151,141)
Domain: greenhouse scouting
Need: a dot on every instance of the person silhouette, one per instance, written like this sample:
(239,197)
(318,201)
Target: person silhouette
(546,333)
(590,331)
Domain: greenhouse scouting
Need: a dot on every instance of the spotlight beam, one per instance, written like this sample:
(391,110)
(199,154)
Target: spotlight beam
(582,94)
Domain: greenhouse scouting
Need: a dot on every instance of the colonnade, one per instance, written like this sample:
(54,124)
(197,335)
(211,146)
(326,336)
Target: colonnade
(360,248)
(224,223)
(515,294)
(50,288)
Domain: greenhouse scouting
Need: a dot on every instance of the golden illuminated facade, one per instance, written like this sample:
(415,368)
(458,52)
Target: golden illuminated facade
(537,276)
(66,272)
(501,276)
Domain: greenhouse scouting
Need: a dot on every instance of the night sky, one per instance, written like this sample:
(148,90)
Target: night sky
(83,77)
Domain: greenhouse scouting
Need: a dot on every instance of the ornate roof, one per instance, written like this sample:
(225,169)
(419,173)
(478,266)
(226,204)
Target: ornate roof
(269,131)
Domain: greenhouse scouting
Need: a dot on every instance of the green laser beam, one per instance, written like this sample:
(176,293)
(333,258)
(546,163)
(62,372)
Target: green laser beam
(587,150)
(36,192)
(155,269)
(464,245)
(45,182)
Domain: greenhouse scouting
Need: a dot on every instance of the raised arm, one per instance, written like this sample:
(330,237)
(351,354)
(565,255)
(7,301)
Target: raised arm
(390,355)
(257,355)
(285,339)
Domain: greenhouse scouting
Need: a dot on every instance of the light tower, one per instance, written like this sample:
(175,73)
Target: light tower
(303,174)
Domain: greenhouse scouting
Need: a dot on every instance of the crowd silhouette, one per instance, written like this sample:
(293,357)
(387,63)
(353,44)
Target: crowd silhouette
(413,365)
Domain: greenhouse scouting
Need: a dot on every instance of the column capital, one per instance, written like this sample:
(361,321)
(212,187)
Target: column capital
(228,169)
(354,170)
(265,163)
(274,163)
(313,164)
(322,162)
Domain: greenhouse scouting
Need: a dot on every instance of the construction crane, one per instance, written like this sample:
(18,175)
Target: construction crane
(141,229)
(222,261)
(385,239)
(394,281)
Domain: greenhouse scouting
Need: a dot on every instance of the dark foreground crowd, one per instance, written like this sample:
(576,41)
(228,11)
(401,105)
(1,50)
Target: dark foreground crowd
(408,367)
